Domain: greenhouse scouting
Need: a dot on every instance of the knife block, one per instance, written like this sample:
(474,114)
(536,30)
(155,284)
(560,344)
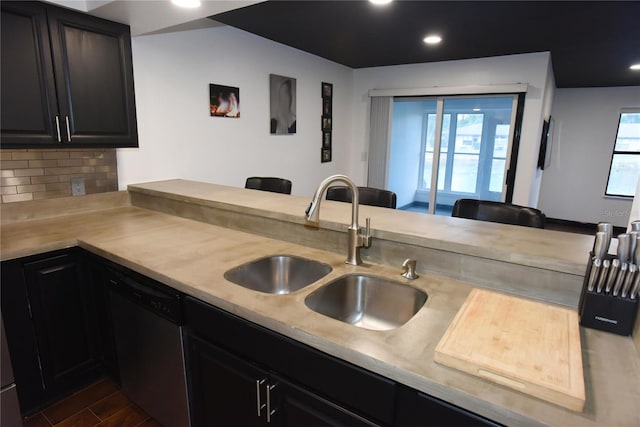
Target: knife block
(604,311)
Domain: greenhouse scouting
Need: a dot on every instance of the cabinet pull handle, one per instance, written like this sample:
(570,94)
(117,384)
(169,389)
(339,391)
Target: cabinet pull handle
(66,119)
(269,411)
(58,128)
(260,404)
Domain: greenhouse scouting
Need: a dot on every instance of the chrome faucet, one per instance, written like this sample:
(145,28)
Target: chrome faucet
(356,240)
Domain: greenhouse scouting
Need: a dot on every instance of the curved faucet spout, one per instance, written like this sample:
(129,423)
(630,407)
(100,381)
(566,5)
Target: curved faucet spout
(355,239)
(313,212)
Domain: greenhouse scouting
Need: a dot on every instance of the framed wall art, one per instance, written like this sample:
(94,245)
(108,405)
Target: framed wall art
(282,104)
(224,101)
(326,121)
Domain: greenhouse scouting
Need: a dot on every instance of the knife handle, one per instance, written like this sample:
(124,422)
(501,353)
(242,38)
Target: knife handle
(620,279)
(604,271)
(600,245)
(596,263)
(635,287)
(631,273)
(624,247)
(607,228)
(613,272)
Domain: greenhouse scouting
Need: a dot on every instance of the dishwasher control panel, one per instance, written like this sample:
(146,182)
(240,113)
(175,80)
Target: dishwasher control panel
(153,295)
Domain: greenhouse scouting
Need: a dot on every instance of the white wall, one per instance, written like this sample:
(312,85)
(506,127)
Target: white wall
(586,121)
(178,138)
(527,68)
(547,104)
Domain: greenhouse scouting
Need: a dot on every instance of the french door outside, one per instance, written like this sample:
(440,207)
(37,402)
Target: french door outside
(471,138)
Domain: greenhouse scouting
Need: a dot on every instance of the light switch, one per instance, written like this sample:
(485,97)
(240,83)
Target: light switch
(77,186)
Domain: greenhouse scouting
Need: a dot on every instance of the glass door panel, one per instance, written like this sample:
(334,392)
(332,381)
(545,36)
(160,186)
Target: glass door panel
(469,136)
(477,130)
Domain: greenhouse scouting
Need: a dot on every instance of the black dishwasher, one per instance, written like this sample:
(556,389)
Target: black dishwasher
(147,319)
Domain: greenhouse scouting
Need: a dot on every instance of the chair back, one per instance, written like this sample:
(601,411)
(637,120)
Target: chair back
(505,213)
(275,185)
(366,196)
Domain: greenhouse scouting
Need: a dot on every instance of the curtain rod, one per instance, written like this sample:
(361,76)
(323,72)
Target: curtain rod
(451,90)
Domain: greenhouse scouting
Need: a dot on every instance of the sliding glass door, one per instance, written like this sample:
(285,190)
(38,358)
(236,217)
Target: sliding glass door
(465,144)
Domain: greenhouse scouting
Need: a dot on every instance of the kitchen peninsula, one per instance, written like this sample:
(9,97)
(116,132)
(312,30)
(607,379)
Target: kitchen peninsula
(187,235)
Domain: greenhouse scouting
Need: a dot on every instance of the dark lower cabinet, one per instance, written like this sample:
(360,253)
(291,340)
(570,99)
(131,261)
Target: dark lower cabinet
(223,388)
(45,304)
(227,390)
(292,384)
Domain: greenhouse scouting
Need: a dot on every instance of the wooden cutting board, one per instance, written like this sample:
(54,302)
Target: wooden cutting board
(529,346)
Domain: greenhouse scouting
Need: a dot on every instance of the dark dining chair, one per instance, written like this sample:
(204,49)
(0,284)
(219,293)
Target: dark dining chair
(275,185)
(505,213)
(367,196)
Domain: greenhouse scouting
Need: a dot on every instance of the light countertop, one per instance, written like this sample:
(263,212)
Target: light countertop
(192,257)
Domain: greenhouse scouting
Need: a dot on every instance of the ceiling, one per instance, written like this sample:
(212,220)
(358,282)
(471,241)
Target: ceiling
(592,43)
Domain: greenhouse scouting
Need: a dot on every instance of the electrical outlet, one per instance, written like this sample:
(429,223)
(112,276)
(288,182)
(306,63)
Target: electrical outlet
(77,186)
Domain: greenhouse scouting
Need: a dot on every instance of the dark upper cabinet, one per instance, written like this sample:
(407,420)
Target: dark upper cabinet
(67,79)
(46,306)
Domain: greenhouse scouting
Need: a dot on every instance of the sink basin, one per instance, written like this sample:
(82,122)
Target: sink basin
(278,274)
(369,302)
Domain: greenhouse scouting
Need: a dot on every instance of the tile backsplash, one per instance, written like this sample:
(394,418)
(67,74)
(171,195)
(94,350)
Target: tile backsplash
(33,174)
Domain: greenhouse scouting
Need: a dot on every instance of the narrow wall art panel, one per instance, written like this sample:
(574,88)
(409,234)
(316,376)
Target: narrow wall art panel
(326,122)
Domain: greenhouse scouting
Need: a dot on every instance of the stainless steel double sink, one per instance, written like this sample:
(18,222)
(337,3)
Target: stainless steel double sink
(365,301)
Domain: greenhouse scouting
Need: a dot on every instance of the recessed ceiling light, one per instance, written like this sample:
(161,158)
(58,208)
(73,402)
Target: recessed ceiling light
(432,39)
(635,67)
(380,2)
(187,3)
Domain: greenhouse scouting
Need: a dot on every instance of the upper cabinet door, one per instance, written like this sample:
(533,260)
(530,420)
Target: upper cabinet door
(67,79)
(94,78)
(29,106)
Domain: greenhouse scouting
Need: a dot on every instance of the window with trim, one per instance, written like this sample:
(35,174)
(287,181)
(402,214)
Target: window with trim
(625,161)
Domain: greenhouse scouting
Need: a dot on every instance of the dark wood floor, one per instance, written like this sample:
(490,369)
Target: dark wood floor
(100,404)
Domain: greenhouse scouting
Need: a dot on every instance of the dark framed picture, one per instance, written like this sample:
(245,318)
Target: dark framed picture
(326,121)
(326,156)
(326,140)
(327,90)
(224,101)
(326,107)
